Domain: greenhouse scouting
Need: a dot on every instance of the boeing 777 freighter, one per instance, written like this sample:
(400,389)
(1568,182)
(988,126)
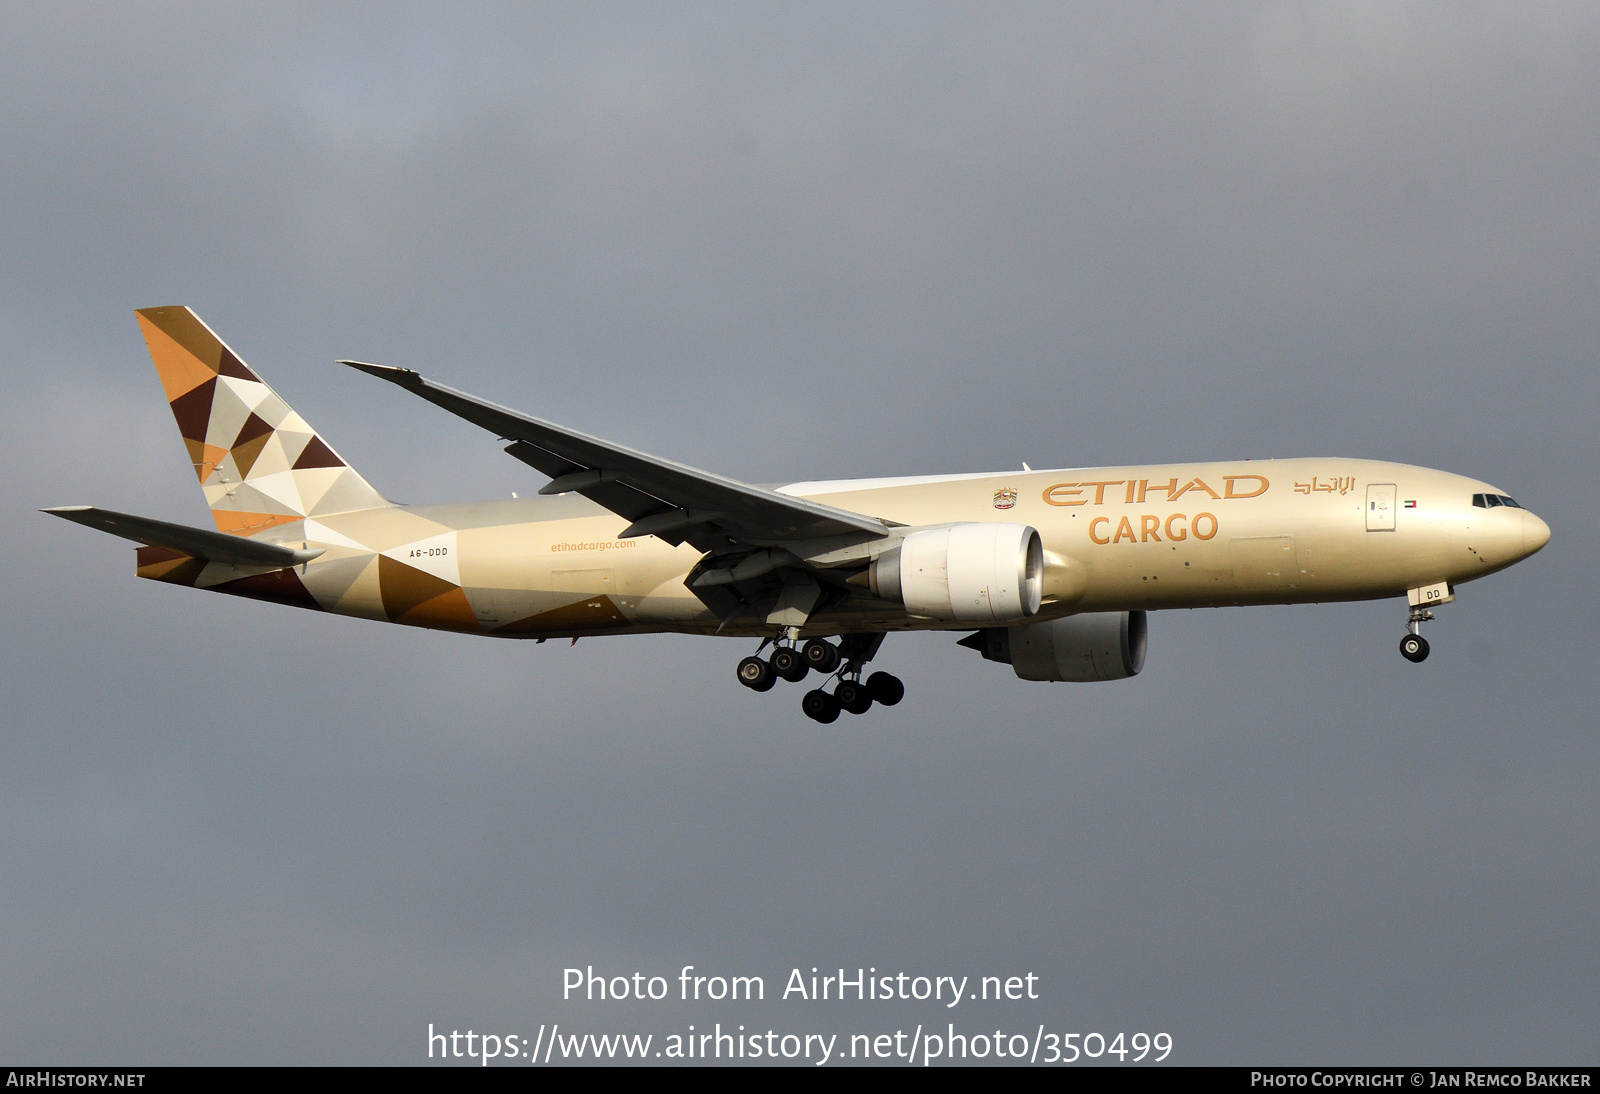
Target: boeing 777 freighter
(1053,572)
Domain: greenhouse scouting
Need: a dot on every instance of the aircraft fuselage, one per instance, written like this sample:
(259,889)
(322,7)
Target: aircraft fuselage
(1052,571)
(1116,539)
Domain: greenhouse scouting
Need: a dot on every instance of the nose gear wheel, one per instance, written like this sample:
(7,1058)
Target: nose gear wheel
(1414,647)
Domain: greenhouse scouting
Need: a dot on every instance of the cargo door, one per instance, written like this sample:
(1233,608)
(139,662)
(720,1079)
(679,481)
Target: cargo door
(1380,507)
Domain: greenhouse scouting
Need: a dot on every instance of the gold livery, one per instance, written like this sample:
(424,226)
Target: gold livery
(1050,571)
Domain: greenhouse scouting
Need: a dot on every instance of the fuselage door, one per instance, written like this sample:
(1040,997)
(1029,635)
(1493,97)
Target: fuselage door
(1380,507)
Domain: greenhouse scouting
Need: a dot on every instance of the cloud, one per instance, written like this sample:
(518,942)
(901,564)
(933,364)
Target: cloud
(800,243)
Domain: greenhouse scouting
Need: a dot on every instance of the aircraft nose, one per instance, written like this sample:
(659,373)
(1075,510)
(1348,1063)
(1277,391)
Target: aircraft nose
(1535,533)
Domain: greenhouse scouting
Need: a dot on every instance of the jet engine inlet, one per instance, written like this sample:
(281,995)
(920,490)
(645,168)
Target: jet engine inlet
(978,573)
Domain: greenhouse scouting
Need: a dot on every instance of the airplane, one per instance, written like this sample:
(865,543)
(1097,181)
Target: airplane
(1053,571)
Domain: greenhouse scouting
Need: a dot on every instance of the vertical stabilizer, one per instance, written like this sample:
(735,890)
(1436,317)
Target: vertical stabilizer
(258,461)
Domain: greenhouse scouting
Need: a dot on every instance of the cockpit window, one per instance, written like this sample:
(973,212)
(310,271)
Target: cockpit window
(1490,501)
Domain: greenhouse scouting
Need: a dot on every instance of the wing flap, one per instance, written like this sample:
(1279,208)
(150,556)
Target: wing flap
(194,542)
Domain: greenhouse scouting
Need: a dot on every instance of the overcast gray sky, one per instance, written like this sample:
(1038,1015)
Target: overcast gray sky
(802,241)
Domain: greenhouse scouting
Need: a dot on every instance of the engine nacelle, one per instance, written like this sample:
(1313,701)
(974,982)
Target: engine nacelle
(969,573)
(1091,646)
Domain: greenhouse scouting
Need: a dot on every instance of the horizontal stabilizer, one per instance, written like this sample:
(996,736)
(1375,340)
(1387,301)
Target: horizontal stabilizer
(194,542)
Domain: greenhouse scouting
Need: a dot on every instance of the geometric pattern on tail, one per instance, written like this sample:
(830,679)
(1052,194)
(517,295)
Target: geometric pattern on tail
(259,463)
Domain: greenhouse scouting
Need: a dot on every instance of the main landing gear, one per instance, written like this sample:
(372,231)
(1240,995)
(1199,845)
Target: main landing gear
(1414,647)
(845,661)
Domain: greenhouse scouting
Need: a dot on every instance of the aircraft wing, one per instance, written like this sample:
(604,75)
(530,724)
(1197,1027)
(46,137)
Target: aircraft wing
(661,498)
(194,542)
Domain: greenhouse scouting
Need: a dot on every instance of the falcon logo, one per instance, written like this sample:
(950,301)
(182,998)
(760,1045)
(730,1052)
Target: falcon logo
(1005,498)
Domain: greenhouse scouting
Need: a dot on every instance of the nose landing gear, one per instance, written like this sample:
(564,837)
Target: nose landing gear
(1414,647)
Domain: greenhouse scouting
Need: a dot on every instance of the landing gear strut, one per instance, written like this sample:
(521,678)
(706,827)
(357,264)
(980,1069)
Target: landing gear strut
(1414,647)
(845,661)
